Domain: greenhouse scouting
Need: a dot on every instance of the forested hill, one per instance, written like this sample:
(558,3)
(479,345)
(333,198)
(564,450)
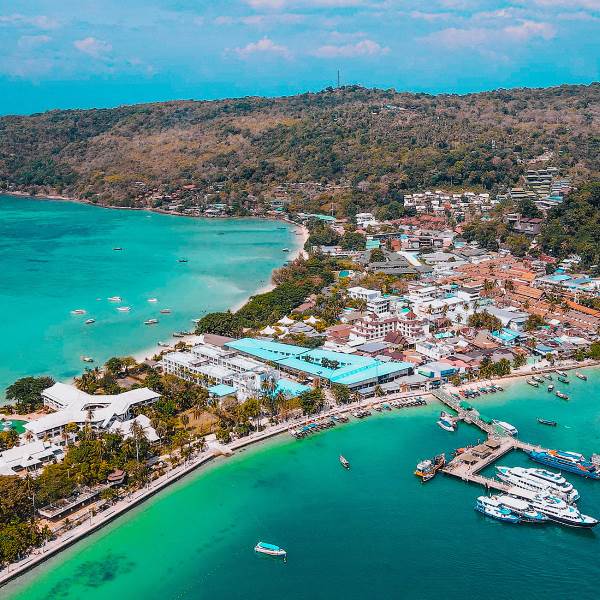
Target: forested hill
(379,139)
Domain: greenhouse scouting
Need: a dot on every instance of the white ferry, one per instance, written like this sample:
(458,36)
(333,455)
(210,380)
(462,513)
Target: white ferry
(506,427)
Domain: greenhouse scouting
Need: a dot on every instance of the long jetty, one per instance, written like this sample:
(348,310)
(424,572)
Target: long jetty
(467,466)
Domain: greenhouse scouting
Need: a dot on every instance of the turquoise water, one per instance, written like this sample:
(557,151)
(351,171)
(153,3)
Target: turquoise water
(371,532)
(58,256)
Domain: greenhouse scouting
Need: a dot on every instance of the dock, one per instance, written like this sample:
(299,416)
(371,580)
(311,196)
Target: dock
(467,466)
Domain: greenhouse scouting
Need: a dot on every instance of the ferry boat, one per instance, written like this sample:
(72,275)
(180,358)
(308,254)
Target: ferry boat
(165,311)
(123,308)
(533,383)
(78,311)
(562,396)
(87,359)
(527,480)
(546,422)
(270,549)
(447,422)
(151,322)
(566,461)
(550,387)
(152,299)
(491,508)
(558,510)
(115,299)
(522,509)
(506,427)
(581,376)
(427,469)
(344,462)
(90,321)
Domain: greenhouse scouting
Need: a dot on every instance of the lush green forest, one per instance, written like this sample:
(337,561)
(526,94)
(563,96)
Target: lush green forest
(379,143)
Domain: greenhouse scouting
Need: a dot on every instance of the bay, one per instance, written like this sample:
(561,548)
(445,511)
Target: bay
(371,532)
(58,256)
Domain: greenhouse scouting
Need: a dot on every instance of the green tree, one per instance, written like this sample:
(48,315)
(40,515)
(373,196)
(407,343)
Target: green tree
(27,393)
(341,393)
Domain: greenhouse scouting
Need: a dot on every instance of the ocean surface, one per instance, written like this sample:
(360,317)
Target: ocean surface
(58,256)
(371,532)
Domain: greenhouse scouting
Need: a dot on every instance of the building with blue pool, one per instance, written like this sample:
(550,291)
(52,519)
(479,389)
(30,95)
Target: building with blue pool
(355,372)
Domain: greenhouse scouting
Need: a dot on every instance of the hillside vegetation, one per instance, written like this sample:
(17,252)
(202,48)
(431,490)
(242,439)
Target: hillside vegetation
(387,142)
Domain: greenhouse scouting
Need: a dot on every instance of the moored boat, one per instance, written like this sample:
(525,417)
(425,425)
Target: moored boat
(550,387)
(447,422)
(527,479)
(522,509)
(492,508)
(581,376)
(427,469)
(117,248)
(574,462)
(561,373)
(533,383)
(182,260)
(344,462)
(150,321)
(90,321)
(564,380)
(506,427)
(123,308)
(546,422)
(87,359)
(165,311)
(153,300)
(78,311)
(114,299)
(538,379)
(270,549)
(562,396)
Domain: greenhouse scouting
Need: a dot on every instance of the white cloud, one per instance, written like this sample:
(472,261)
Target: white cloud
(589,4)
(39,21)
(263,20)
(530,29)
(280,4)
(263,46)
(92,46)
(32,41)
(362,48)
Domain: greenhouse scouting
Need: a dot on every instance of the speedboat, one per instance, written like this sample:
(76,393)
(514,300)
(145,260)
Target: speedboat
(562,396)
(427,469)
(506,427)
(164,345)
(78,311)
(566,461)
(524,479)
(87,359)
(521,508)
(581,376)
(165,311)
(182,260)
(564,380)
(446,422)
(151,322)
(118,248)
(533,383)
(344,462)
(561,373)
(123,308)
(90,321)
(492,508)
(546,422)
(270,549)
(152,299)
(285,249)
(550,387)
(115,299)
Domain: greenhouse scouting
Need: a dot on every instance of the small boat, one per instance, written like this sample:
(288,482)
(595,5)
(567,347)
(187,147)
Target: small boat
(151,322)
(581,376)
(550,387)
(115,299)
(165,311)
(562,396)
(195,321)
(506,427)
(538,379)
(270,549)
(446,422)
(177,334)
(87,359)
(546,422)
(564,380)
(118,248)
(90,321)
(535,384)
(123,308)
(152,299)
(499,388)
(164,345)
(561,373)
(548,376)
(182,260)
(285,249)
(427,469)
(78,311)
(344,462)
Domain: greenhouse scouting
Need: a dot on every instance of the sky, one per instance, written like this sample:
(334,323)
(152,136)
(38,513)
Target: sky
(82,54)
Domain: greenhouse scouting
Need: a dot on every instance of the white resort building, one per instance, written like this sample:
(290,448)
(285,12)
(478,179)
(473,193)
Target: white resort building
(74,406)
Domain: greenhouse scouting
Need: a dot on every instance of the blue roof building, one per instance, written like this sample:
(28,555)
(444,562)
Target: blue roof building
(354,371)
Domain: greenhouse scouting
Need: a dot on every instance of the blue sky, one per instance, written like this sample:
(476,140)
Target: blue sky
(67,54)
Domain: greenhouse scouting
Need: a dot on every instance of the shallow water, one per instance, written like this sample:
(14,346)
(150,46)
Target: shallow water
(58,256)
(371,532)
